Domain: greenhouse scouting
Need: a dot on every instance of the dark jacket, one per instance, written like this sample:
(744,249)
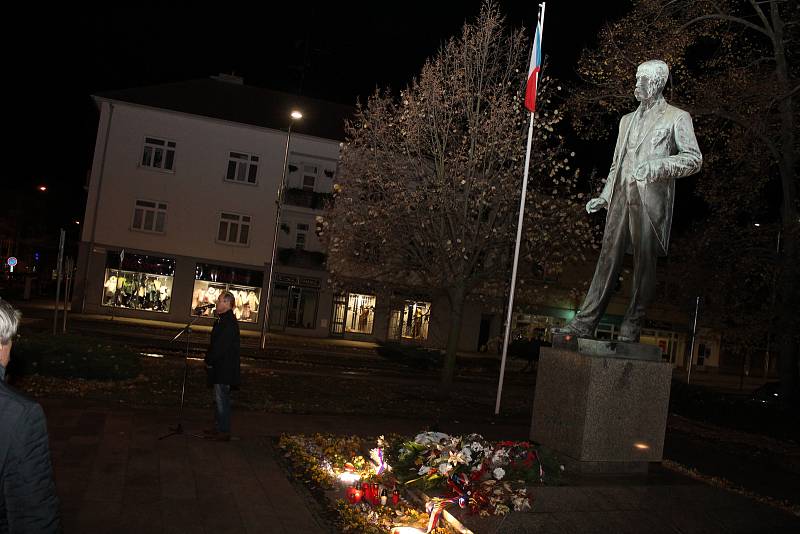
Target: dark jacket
(223,353)
(28,501)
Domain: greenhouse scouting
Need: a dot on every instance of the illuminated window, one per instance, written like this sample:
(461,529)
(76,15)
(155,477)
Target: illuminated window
(360,314)
(138,282)
(411,321)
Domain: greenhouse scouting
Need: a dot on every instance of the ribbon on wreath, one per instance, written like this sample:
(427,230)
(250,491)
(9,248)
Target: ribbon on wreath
(436,506)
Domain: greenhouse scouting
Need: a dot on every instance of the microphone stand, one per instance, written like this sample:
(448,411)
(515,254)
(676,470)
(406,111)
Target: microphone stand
(178,429)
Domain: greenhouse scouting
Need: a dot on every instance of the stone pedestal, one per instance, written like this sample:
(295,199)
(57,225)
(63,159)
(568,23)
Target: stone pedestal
(602,414)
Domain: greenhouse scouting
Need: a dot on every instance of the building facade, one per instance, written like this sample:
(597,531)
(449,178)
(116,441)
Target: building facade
(182,203)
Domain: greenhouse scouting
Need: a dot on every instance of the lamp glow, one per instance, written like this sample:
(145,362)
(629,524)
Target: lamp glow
(296,114)
(42,188)
(407,530)
(641,446)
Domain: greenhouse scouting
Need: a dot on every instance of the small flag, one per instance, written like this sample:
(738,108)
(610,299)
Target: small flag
(533,70)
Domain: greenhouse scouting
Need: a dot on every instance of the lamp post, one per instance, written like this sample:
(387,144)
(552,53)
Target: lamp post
(295,115)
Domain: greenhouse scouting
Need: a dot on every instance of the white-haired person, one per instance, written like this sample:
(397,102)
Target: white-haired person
(28,501)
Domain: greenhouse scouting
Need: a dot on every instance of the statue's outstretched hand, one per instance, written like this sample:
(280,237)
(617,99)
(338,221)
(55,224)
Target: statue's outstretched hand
(595,205)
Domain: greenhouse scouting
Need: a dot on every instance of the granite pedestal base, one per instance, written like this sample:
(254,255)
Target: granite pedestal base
(601,414)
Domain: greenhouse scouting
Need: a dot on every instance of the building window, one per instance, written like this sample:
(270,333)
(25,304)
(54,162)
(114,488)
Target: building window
(212,280)
(357,311)
(234,229)
(411,321)
(300,238)
(158,154)
(309,177)
(149,216)
(138,282)
(242,168)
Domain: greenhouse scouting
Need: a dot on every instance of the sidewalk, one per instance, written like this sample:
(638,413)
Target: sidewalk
(114,475)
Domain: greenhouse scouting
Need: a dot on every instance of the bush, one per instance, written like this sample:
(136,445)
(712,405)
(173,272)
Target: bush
(71,356)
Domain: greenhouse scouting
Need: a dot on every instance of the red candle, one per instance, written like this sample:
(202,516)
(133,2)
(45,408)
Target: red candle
(357,496)
(376,494)
(395,497)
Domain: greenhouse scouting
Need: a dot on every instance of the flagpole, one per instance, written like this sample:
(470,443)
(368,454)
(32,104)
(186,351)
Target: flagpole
(519,237)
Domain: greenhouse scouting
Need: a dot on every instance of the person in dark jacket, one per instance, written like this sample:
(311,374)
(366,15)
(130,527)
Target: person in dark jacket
(28,501)
(222,360)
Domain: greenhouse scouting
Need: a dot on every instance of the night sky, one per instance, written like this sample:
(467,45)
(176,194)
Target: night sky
(333,50)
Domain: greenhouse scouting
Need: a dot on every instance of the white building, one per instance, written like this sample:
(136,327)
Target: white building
(182,199)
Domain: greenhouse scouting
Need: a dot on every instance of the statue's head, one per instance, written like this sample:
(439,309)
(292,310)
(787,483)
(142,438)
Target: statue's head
(651,77)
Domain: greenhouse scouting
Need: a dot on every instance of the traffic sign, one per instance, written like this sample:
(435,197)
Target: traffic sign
(12,261)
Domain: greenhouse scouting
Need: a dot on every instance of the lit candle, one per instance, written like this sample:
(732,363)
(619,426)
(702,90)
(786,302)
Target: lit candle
(395,497)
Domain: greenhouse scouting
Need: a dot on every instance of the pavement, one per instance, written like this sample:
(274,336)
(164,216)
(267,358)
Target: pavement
(113,474)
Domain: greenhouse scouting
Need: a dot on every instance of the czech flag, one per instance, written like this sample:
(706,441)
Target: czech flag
(533,71)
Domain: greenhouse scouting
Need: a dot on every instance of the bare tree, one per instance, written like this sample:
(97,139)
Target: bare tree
(429,181)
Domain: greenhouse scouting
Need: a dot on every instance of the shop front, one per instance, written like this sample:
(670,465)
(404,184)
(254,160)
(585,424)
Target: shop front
(353,313)
(410,322)
(138,282)
(212,280)
(295,303)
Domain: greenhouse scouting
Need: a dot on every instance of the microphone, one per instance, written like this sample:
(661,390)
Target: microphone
(204,307)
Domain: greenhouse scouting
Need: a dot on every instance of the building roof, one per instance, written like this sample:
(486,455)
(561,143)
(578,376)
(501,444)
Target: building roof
(233,101)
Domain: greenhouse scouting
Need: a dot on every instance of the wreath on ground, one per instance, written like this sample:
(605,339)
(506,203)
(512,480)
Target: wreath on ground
(373,481)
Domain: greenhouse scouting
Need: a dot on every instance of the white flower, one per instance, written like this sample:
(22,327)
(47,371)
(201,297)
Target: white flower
(430,438)
(476,446)
(499,473)
(455,458)
(445,468)
(424,470)
(466,454)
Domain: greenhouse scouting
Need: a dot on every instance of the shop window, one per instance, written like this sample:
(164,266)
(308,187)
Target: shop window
(234,229)
(158,154)
(295,302)
(138,282)
(242,168)
(358,312)
(411,321)
(245,285)
(149,216)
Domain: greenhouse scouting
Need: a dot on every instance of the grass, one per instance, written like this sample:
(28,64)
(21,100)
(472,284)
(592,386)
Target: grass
(71,356)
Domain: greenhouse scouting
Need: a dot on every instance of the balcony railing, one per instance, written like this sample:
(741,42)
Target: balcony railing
(305,199)
(305,259)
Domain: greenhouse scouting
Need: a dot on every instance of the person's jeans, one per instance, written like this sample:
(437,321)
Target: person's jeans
(222,413)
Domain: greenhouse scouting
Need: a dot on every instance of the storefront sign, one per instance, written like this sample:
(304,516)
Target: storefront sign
(297,280)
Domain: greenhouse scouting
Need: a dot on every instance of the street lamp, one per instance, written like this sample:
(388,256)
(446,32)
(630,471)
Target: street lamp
(42,188)
(295,115)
